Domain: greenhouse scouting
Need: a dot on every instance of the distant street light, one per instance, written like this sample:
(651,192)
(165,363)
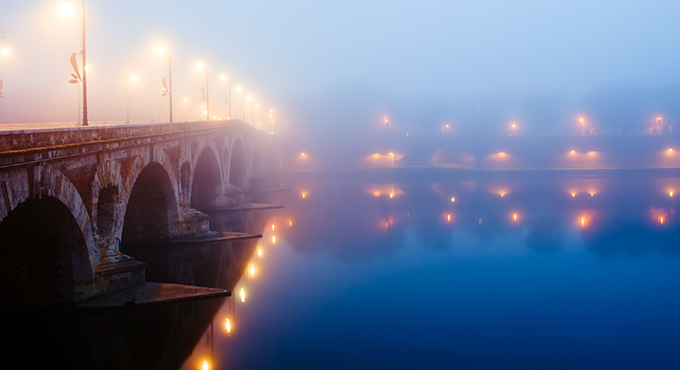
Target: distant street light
(243,103)
(206,93)
(228,102)
(244,108)
(4,51)
(133,79)
(255,108)
(167,90)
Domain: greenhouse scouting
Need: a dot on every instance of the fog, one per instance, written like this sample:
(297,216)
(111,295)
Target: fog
(340,69)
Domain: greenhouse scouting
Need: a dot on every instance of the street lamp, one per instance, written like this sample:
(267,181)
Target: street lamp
(167,90)
(243,103)
(4,51)
(254,115)
(133,79)
(206,96)
(84,69)
(228,79)
(244,108)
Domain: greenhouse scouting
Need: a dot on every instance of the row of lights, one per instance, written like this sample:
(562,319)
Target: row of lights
(658,216)
(228,323)
(513,126)
(68,8)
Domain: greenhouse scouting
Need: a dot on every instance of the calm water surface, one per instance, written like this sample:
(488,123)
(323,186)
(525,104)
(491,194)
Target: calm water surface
(422,270)
(411,270)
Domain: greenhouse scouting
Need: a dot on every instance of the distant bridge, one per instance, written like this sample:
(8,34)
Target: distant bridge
(70,197)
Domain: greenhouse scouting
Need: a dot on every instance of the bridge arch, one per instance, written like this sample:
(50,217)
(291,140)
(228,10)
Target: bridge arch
(151,208)
(44,255)
(207,180)
(48,181)
(238,165)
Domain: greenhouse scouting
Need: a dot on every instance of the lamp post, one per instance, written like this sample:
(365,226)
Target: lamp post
(243,103)
(133,79)
(244,108)
(255,116)
(82,77)
(4,52)
(169,75)
(83,52)
(226,77)
(207,91)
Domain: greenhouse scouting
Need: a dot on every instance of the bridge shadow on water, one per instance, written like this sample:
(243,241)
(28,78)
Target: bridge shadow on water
(157,336)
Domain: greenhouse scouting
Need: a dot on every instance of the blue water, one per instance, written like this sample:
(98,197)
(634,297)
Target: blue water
(525,271)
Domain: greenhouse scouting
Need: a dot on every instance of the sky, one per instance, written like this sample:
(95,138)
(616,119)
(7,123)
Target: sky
(338,56)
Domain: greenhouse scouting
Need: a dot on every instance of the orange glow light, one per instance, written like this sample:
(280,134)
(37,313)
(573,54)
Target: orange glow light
(227,326)
(659,216)
(453,200)
(273,227)
(514,216)
(387,190)
(67,9)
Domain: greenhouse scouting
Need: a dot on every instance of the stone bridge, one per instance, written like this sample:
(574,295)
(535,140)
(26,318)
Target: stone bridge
(70,198)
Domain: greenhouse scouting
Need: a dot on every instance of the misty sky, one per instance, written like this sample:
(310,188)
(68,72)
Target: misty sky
(286,52)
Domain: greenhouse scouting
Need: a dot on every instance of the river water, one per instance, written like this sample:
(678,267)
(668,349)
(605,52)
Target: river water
(429,269)
(426,269)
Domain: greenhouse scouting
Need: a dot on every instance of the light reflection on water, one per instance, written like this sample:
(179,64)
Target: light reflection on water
(531,273)
(415,270)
